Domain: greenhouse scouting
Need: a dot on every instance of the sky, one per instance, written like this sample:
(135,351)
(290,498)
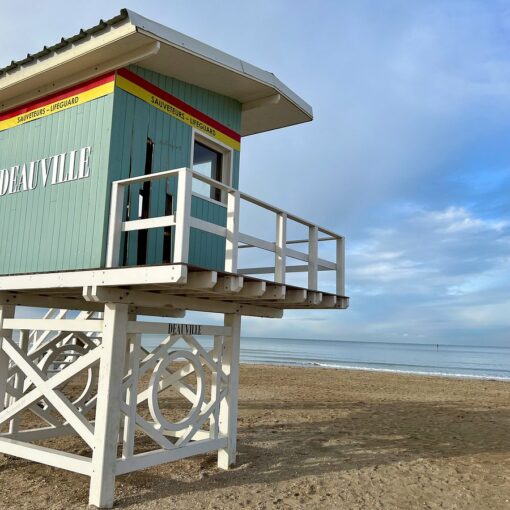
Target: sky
(408,154)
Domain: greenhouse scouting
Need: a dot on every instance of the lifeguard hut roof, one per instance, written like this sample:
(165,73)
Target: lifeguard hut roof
(129,38)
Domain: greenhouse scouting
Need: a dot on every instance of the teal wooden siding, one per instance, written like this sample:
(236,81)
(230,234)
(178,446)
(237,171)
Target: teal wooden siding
(133,122)
(63,226)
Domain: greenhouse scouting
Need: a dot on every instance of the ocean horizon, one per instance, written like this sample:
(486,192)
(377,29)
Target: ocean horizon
(438,359)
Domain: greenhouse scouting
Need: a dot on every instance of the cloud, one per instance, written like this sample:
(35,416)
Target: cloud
(407,155)
(458,219)
(437,275)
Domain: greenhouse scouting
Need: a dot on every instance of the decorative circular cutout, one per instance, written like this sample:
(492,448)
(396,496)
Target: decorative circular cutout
(196,402)
(61,356)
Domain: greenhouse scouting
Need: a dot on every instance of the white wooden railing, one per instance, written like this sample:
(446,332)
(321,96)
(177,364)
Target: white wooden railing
(235,240)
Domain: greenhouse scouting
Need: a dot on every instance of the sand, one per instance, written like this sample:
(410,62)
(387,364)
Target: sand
(322,438)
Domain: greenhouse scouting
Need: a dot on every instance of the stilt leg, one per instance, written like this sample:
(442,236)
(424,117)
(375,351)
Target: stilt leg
(132,367)
(228,408)
(109,391)
(19,379)
(6,312)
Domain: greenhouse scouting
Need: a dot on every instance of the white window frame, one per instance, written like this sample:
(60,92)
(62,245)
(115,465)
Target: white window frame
(227,161)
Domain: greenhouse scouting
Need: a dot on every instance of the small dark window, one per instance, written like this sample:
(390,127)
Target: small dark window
(167,235)
(209,163)
(144,205)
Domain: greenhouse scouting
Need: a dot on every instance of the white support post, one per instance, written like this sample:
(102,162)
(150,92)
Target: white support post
(216,385)
(6,312)
(280,261)
(228,409)
(340,266)
(109,396)
(115,225)
(19,379)
(182,217)
(132,370)
(232,240)
(313,256)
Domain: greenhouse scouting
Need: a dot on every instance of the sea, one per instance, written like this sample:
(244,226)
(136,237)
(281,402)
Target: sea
(450,360)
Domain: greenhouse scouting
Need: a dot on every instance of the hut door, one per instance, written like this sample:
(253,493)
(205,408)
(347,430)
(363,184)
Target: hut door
(144,206)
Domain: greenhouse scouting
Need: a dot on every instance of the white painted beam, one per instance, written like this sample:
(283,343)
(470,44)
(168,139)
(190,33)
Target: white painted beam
(340,266)
(115,225)
(6,312)
(313,250)
(280,262)
(146,223)
(70,325)
(154,458)
(181,302)
(274,292)
(109,391)
(49,456)
(296,295)
(182,216)
(148,275)
(161,328)
(232,233)
(201,279)
(229,284)
(227,423)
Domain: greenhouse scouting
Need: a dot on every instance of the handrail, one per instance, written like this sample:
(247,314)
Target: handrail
(183,222)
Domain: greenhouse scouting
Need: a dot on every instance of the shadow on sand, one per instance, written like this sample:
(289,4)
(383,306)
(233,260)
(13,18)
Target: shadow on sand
(349,436)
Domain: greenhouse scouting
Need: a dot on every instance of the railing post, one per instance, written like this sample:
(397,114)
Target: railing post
(340,266)
(232,240)
(313,255)
(115,225)
(182,217)
(280,259)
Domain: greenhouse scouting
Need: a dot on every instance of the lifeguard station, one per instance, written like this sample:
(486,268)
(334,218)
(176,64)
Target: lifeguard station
(119,198)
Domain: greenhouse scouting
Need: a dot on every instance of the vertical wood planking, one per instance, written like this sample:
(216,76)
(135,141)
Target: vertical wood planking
(57,227)
(65,226)
(172,140)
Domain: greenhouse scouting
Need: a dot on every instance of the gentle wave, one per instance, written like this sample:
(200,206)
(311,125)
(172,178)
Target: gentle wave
(310,364)
(382,343)
(416,372)
(445,360)
(254,355)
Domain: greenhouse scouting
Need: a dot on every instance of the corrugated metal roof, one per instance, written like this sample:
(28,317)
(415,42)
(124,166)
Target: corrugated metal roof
(66,41)
(270,103)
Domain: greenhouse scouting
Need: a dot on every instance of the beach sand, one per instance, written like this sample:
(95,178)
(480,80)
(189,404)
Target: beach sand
(321,438)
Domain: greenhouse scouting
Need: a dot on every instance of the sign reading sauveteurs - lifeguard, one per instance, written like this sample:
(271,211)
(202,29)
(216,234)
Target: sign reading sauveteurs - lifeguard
(60,101)
(57,169)
(131,83)
(175,107)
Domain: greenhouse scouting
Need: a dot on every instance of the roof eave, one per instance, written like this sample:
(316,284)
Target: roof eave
(130,38)
(205,52)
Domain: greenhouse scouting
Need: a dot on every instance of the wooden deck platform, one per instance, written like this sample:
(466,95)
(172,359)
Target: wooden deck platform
(163,290)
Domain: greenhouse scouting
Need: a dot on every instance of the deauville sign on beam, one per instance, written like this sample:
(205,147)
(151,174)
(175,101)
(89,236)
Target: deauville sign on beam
(57,169)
